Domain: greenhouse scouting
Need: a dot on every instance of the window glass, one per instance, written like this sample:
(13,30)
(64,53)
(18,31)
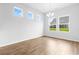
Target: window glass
(38,18)
(30,15)
(17,11)
(64,23)
(52,26)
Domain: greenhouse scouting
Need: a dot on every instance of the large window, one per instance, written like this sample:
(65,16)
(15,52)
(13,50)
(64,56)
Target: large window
(17,11)
(64,23)
(52,26)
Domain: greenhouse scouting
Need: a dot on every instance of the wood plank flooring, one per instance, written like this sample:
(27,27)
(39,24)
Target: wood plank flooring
(42,46)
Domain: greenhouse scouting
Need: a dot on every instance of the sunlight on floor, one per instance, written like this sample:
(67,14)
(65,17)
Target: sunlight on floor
(59,47)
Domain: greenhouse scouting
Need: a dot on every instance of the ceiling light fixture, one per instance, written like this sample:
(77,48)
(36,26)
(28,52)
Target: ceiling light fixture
(50,13)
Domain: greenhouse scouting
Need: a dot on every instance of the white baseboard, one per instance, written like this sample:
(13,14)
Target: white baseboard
(62,38)
(33,37)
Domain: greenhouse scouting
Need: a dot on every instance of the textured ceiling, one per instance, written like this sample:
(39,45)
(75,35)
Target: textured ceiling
(45,7)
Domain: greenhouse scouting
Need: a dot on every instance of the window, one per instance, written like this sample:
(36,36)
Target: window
(53,25)
(64,23)
(17,11)
(38,18)
(30,15)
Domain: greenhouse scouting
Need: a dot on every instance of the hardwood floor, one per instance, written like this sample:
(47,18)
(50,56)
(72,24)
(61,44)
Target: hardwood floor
(42,46)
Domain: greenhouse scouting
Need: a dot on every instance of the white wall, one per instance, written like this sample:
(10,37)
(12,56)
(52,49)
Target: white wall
(15,29)
(73,13)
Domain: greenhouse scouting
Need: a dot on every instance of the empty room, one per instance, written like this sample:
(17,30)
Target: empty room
(39,28)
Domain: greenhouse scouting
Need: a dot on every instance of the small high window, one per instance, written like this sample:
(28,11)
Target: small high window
(30,15)
(17,11)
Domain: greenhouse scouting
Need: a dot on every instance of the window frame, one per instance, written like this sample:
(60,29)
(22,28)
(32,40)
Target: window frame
(64,23)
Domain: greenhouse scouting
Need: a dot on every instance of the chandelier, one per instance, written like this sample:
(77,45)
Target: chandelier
(50,14)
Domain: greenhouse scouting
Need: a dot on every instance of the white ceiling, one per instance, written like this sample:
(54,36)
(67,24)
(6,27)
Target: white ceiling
(45,7)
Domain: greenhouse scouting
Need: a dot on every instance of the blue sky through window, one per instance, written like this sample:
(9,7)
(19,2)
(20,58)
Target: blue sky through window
(18,11)
(30,15)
